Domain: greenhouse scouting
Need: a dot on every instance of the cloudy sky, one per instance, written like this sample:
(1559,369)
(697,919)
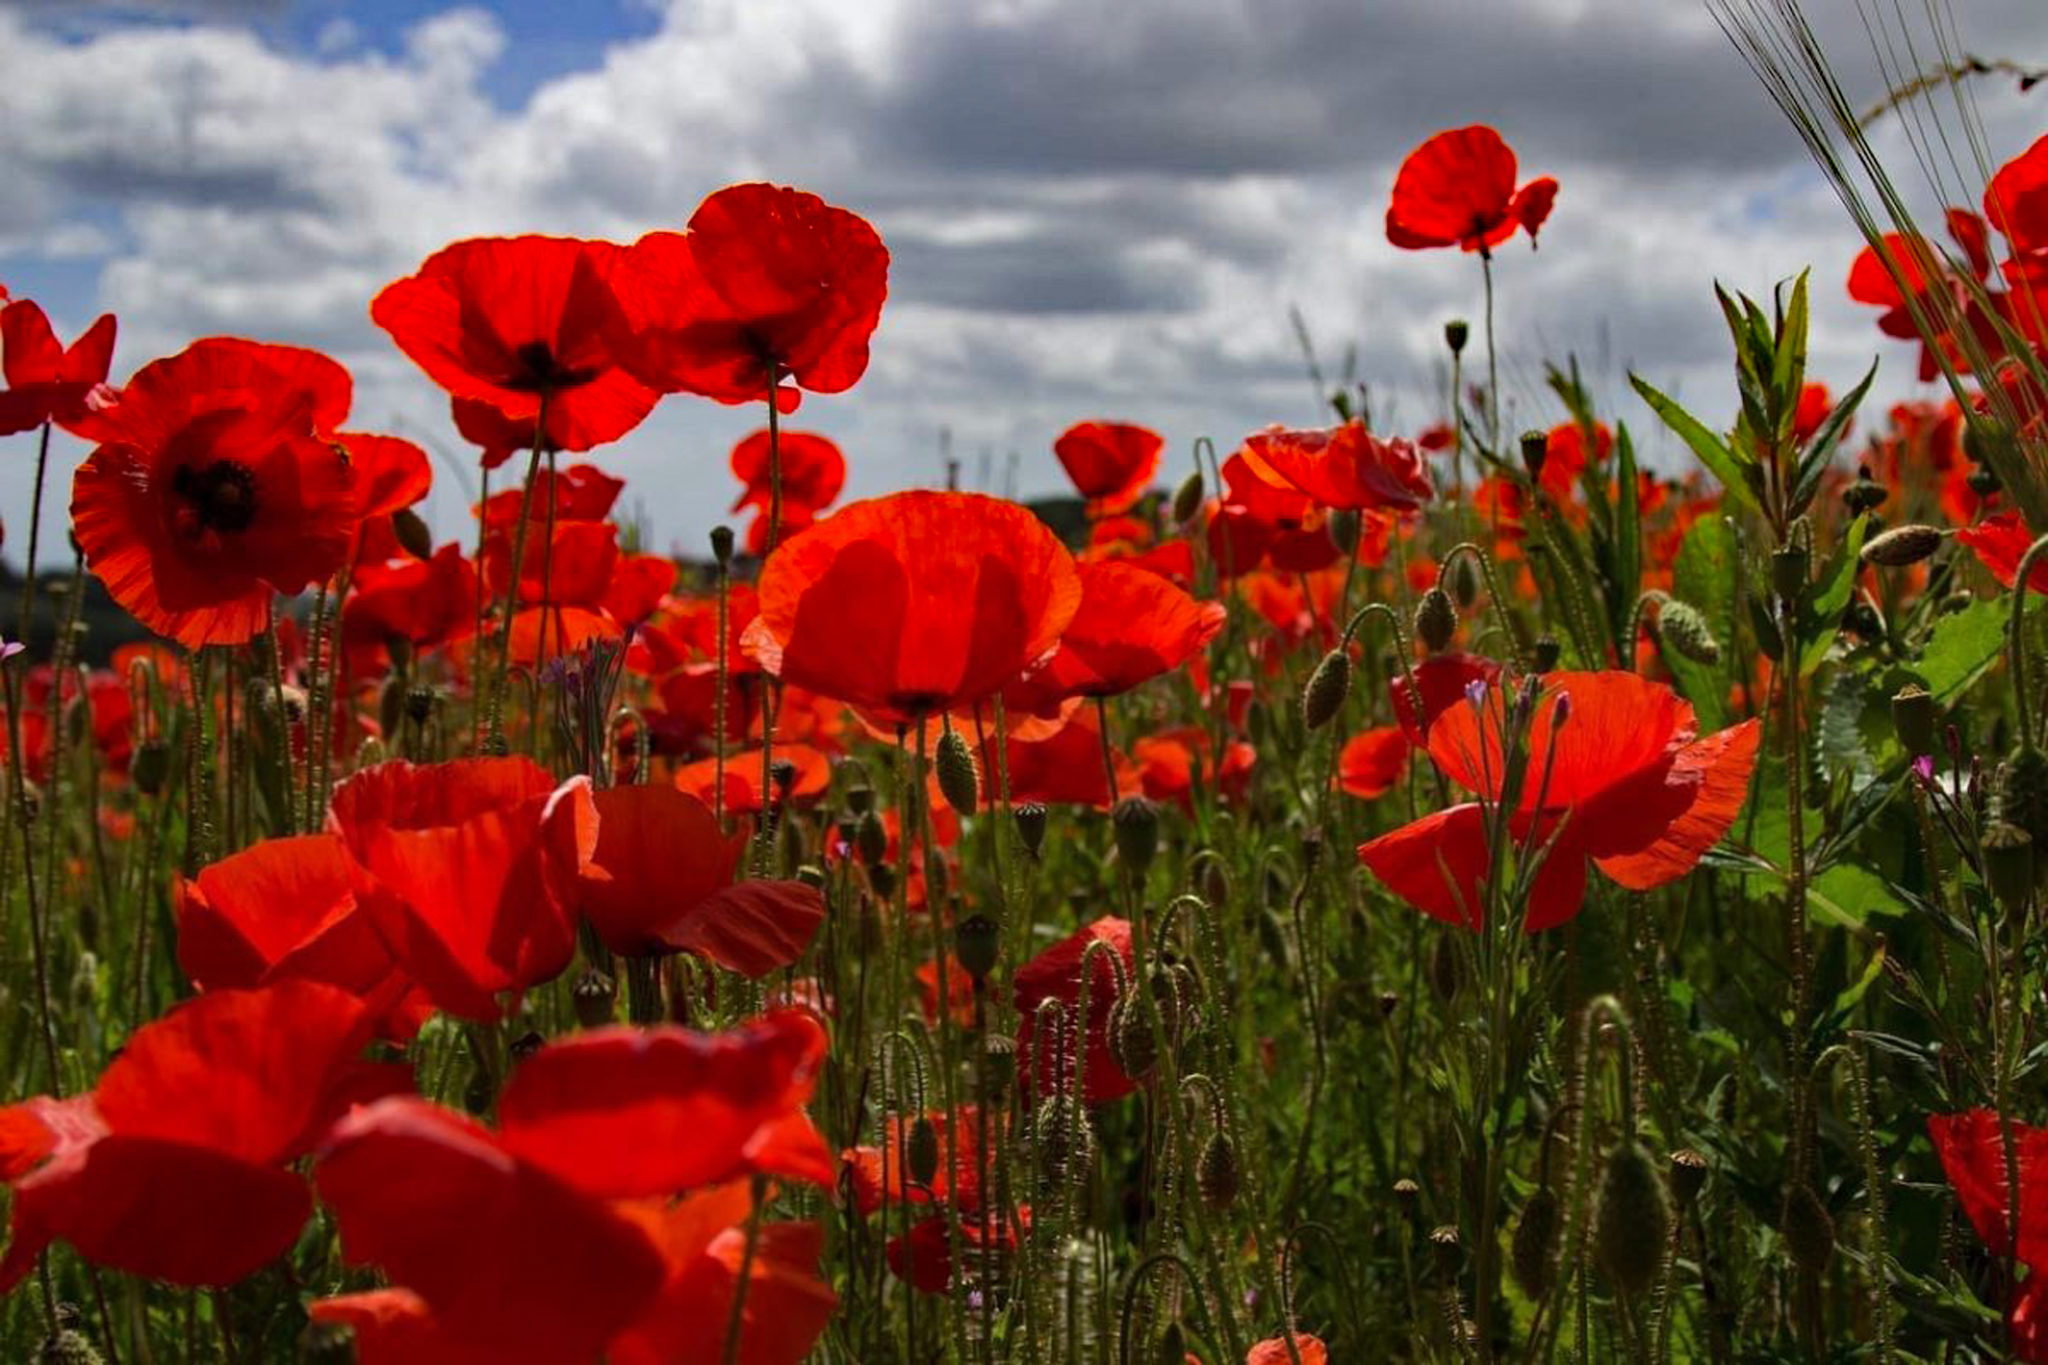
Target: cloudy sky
(1094,210)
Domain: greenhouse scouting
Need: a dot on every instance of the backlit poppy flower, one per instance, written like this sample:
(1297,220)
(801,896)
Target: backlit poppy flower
(515,322)
(876,1177)
(813,472)
(428,604)
(1111,463)
(661,879)
(46,381)
(1055,974)
(923,1256)
(1291,528)
(1458,189)
(217,482)
(285,910)
(1063,767)
(1443,680)
(391,475)
(1273,1351)
(582,492)
(1565,457)
(1616,777)
(2016,202)
(914,603)
(1131,627)
(1166,764)
(472,867)
(1345,466)
(1815,403)
(1922,271)
(2000,543)
(574,587)
(1971,1146)
(201,1113)
(1372,761)
(765,280)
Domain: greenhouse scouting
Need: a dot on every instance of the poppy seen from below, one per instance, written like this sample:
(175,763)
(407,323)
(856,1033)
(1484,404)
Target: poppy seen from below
(1458,189)
(1110,463)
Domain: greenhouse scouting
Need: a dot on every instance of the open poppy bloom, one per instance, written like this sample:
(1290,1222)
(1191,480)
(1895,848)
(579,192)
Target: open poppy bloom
(1273,1351)
(517,322)
(218,481)
(47,381)
(574,587)
(1458,189)
(1615,776)
(1372,761)
(391,475)
(914,603)
(1132,626)
(813,472)
(200,1114)
(879,1177)
(1971,1146)
(427,604)
(1111,463)
(2016,202)
(766,280)
(1055,974)
(661,880)
(743,795)
(470,868)
(1167,764)
(1345,466)
(2000,543)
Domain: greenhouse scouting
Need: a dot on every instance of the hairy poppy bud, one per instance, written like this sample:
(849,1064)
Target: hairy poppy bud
(1546,653)
(1187,499)
(1902,546)
(959,783)
(1913,716)
(1688,1175)
(1864,495)
(1132,1042)
(412,534)
(1683,627)
(152,766)
(1135,822)
(1983,482)
(593,997)
(1808,1229)
(1214,879)
(1534,1251)
(921,1151)
(2008,863)
(1789,566)
(1173,1345)
(1030,818)
(1436,620)
(1633,1218)
(1456,333)
(1327,688)
(1217,1174)
(1066,1144)
(1344,526)
(977,941)
(1448,1249)
(1464,579)
(872,839)
(1535,452)
(2023,791)
(721,545)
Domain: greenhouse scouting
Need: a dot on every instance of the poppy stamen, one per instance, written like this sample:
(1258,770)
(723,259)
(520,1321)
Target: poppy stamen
(540,369)
(218,497)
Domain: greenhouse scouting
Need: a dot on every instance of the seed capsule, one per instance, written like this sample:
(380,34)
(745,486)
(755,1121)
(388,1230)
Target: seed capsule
(1688,1175)
(1547,652)
(1136,824)
(1913,717)
(873,839)
(152,766)
(1030,818)
(2008,863)
(1633,1218)
(1456,333)
(593,998)
(977,942)
(721,545)
(1535,452)
(1447,1248)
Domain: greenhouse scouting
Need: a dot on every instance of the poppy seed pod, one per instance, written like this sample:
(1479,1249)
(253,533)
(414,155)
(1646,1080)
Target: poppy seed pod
(1218,1176)
(2008,863)
(1913,717)
(921,1151)
(872,839)
(1187,499)
(152,766)
(593,998)
(1448,1249)
(1534,1251)
(1136,824)
(999,1067)
(419,703)
(1456,333)
(1688,1175)
(1903,546)
(1789,567)
(721,545)
(1683,627)
(1864,495)
(1327,688)
(959,783)
(1535,452)
(1808,1229)
(977,942)
(1633,1218)
(1030,818)
(1546,653)
(1436,620)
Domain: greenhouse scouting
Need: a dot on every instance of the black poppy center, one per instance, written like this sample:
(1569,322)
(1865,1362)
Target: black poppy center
(540,369)
(222,495)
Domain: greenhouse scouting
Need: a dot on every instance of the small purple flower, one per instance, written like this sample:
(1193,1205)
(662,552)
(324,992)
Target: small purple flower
(10,648)
(1923,767)
(1475,692)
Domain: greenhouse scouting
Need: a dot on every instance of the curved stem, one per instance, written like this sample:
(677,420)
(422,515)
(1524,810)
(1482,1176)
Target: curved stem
(2015,646)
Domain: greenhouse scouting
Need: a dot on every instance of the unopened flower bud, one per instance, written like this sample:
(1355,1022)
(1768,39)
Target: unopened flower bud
(1633,1218)
(151,767)
(1344,526)
(1683,629)
(1789,567)
(1864,495)
(959,783)
(412,534)
(1913,718)
(1187,499)
(921,1151)
(872,839)
(1533,1255)
(1464,582)
(1902,546)
(1327,688)
(1983,482)
(1808,1229)
(1218,1176)
(1135,822)
(1436,620)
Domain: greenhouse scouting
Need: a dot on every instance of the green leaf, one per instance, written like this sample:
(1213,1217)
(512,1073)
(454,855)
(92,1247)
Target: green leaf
(1726,465)
(1820,617)
(1704,575)
(1820,450)
(1850,894)
(1960,648)
(1628,530)
(1788,369)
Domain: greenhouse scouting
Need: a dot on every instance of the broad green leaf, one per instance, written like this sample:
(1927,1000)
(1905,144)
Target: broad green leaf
(1850,894)
(1704,576)
(1724,463)
(1960,648)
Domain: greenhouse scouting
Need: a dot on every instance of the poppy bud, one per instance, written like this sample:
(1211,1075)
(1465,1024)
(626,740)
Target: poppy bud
(1066,1144)
(1535,1246)
(1864,495)
(1436,620)
(525,1045)
(1213,878)
(1173,1345)
(1913,717)
(327,1343)
(593,997)
(1446,972)
(1789,565)
(1808,1229)
(1456,333)
(1187,499)
(977,942)
(721,545)
(1218,1176)
(1135,822)
(1982,481)
(2008,863)
(1633,1218)
(1902,546)
(959,783)
(2023,791)
(1030,818)
(1132,1043)
(1546,653)
(860,798)
(1344,527)
(1683,627)
(921,1151)
(1448,1249)
(412,533)
(1464,582)
(1327,688)
(1688,1175)
(152,766)
(882,879)
(999,1067)
(1535,452)
(872,839)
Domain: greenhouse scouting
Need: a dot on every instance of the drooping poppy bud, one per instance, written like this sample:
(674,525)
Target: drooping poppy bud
(1187,499)
(1534,1251)
(1327,688)
(1683,627)
(1808,1229)
(2023,791)
(1436,620)
(921,1151)
(1218,1176)
(1633,1218)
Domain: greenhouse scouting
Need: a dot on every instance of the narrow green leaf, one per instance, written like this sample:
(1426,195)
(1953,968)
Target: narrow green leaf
(1722,462)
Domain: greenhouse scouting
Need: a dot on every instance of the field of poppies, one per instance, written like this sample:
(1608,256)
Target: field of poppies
(1341,894)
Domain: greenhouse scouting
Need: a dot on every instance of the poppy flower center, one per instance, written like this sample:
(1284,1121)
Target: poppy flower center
(218,497)
(541,369)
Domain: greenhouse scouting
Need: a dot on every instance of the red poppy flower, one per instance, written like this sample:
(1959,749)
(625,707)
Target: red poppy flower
(1922,271)
(506,321)
(574,587)
(1055,974)
(1268,518)
(923,1256)
(1345,466)
(1565,457)
(743,777)
(813,473)
(1815,403)
(1458,189)
(1060,767)
(914,603)
(46,382)
(391,475)
(582,492)
(200,1113)
(1273,1351)
(474,865)
(1372,762)
(766,279)
(1442,679)
(2016,201)
(1111,463)
(1971,1146)
(285,910)
(1625,785)
(1166,766)
(217,482)
(2000,543)
(876,1179)
(661,880)
(1131,627)
(429,604)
